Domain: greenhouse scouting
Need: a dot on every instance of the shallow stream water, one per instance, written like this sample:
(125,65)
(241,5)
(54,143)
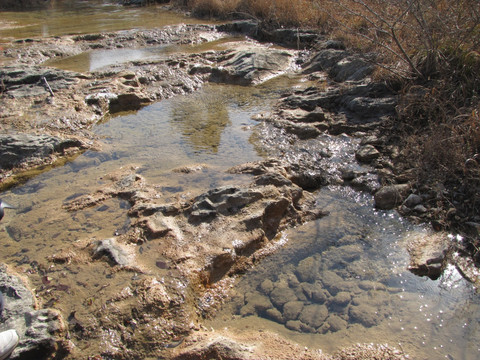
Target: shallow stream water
(337,281)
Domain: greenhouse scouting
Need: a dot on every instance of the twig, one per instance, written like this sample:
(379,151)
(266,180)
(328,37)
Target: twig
(45,82)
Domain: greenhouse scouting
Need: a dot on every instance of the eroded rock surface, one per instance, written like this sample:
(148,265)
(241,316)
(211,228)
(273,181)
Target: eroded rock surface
(202,242)
(251,66)
(24,150)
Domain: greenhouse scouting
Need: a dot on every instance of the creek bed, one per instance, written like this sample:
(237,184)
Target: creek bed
(336,281)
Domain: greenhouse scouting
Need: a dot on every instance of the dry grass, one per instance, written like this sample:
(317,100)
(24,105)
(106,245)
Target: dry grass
(305,13)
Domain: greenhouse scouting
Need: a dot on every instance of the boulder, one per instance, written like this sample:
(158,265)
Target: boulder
(307,269)
(324,60)
(252,66)
(336,323)
(275,315)
(259,302)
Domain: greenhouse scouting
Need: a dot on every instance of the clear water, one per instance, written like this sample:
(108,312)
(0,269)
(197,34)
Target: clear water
(357,255)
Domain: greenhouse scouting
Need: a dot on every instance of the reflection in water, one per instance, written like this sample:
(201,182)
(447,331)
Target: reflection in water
(202,119)
(342,280)
(96,59)
(99,59)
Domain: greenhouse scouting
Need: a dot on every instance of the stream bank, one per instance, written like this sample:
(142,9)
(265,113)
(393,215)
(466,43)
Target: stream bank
(320,134)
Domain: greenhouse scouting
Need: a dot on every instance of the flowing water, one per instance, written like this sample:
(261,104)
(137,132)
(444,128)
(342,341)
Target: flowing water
(337,281)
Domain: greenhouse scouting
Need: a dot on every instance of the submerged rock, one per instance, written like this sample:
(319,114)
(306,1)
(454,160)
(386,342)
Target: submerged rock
(117,253)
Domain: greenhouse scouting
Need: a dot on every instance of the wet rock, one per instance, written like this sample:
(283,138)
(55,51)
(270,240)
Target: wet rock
(117,253)
(336,323)
(367,153)
(280,296)
(314,315)
(412,200)
(226,200)
(251,66)
(160,225)
(342,299)
(266,286)
(127,102)
(332,282)
(368,285)
(428,254)
(259,302)
(343,255)
(306,269)
(364,314)
(366,182)
(275,315)
(319,295)
(292,309)
(303,116)
(29,149)
(309,179)
(41,332)
(294,325)
(389,196)
(302,131)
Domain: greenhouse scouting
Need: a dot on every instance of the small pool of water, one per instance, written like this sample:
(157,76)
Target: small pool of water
(96,59)
(343,280)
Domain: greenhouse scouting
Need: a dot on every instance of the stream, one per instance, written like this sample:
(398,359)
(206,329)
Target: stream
(336,281)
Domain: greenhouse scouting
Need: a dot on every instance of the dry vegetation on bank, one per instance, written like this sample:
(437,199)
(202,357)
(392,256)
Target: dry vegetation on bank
(429,51)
